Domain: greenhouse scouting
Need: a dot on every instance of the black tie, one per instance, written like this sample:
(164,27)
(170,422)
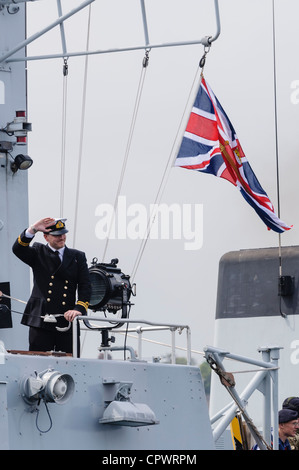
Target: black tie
(57,258)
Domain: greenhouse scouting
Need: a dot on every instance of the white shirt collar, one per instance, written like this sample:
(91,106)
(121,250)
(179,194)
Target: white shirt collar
(60,251)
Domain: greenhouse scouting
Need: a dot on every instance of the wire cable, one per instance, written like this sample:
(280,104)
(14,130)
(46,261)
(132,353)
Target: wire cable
(166,173)
(129,142)
(276,149)
(63,135)
(50,419)
(83,110)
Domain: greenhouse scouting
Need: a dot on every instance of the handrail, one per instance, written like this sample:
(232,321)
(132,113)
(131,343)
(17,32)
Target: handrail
(170,326)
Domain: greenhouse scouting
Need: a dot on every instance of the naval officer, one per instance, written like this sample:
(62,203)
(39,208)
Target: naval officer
(59,273)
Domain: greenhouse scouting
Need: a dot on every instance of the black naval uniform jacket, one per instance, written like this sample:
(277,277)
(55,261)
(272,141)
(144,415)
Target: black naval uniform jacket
(54,282)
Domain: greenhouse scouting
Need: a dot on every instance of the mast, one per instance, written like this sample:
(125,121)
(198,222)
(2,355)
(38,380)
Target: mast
(13,184)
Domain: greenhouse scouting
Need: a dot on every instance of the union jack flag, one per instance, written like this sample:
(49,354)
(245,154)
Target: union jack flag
(210,145)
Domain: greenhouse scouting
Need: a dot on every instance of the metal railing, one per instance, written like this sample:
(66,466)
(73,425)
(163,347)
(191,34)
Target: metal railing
(6,56)
(261,382)
(154,326)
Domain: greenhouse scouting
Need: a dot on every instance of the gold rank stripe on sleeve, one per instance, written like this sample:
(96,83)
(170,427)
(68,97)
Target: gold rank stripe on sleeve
(84,304)
(22,243)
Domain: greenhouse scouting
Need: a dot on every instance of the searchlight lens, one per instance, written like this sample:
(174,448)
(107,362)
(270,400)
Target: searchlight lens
(110,288)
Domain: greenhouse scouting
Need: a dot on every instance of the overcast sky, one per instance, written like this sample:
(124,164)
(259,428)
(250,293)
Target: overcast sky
(174,284)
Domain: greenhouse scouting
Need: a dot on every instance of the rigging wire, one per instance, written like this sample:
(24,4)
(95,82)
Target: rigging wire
(275,106)
(194,87)
(276,147)
(82,127)
(83,112)
(64,109)
(129,142)
(63,137)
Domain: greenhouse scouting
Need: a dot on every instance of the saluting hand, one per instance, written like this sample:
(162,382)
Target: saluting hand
(41,225)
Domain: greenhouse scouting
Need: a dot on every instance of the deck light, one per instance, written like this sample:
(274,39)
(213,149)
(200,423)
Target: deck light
(21,162)
(50,385)
(121,411)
